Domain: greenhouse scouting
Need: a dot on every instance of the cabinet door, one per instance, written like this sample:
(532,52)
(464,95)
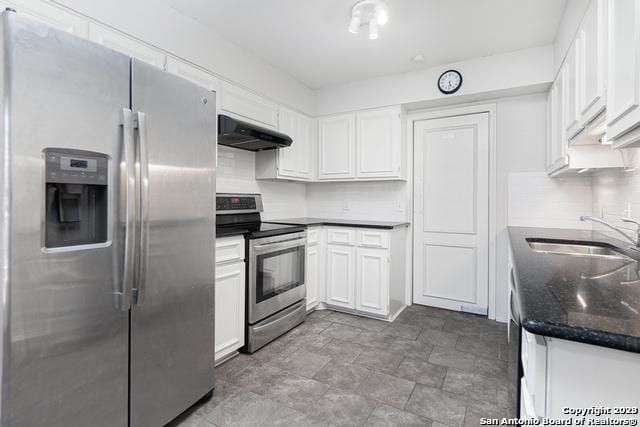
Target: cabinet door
(229,309)
(304,147)
(623,88)
(336,147)
(557,143)
(378,143)
(288,156)
(372,281)
(50,15)
(340,276)
(592,63)
(313,268)
(121,43)
(570,82)
(245,105)
(192,73)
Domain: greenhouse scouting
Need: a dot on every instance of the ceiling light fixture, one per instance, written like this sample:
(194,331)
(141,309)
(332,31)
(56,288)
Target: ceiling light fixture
(373,13)
(373,29)
(354,25)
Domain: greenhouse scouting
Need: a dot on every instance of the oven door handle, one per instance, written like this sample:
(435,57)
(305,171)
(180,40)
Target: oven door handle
(269,247)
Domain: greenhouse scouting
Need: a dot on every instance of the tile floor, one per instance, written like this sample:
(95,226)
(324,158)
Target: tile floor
(430,367)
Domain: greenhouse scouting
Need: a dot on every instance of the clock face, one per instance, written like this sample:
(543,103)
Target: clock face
(449,82)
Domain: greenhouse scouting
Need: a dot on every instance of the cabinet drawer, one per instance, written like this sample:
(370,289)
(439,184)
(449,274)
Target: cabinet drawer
(313,236)
(229,249)
(373,239)
(341,236)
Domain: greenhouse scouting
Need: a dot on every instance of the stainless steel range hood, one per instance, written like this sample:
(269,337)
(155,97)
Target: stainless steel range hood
(247,136)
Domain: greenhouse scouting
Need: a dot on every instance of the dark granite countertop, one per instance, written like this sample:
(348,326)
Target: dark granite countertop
(584,299)
(309,222)
(229,232)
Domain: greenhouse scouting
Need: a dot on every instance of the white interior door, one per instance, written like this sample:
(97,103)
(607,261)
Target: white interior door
(451,213)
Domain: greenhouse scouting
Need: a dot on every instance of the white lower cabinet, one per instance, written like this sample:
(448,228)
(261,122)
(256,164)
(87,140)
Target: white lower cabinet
(372,280)
(559,374)
(315,268)
(340,276)
(365,271)
(229,297)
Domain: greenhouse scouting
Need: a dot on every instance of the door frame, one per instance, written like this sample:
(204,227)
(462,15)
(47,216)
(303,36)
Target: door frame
(439,113)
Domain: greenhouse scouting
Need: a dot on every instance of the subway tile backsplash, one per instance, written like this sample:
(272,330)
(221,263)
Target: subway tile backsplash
(535,200)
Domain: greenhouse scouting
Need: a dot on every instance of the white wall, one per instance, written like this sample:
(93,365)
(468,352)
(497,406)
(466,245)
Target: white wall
(483,78)
(383,201)
(157,24)
(236,174)
(535,200)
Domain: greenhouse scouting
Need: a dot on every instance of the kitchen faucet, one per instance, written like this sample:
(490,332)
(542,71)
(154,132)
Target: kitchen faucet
(635,240)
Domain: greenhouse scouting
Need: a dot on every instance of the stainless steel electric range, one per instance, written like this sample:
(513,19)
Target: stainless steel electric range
(275,255)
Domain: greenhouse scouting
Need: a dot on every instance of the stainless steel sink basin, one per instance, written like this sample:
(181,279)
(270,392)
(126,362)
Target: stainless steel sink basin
(576,249)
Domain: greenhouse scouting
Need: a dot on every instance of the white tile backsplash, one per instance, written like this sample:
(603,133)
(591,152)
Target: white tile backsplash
(383,201)
(535,200)
(236,174)
(616,192)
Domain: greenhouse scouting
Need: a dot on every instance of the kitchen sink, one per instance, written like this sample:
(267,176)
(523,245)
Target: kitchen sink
(576,249)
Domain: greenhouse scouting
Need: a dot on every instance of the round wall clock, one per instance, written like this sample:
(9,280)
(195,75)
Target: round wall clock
(449,82)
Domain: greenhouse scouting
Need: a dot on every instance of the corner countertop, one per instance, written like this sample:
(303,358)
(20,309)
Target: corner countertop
(577,298)
(230,232)
(309,222)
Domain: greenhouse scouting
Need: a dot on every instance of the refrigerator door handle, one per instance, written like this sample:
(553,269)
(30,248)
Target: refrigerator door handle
(144,207)
(128,167)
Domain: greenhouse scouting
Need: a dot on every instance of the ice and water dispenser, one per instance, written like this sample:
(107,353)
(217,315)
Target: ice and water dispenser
(76,198)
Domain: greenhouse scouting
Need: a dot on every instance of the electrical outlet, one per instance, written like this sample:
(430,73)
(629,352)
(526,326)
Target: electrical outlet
(346,205)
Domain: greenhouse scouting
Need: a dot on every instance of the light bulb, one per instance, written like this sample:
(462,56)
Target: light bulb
(354,25)
(382,16)
(373,29)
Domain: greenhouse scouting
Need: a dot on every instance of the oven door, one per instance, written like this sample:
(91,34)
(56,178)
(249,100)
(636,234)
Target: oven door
(276,274)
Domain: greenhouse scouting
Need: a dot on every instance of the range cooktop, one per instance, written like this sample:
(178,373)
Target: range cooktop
(240,214)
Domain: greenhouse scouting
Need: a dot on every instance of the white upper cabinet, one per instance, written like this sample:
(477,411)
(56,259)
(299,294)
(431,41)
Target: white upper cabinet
(288,156)
(556,141)
(336,147)
(50,15)
(193,74)
(244,105)
(127,45)
(293,162)
(623,83)
(592,62)
(570,83)
(303,149)
(378,144)
(362,145)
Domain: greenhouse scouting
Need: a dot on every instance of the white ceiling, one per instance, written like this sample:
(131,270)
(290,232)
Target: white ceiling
(308,39)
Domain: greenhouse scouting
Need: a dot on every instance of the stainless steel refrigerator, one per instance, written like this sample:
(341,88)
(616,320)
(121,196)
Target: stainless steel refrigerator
(106,234)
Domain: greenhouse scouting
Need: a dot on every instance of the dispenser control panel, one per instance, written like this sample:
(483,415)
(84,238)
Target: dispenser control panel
(68,168)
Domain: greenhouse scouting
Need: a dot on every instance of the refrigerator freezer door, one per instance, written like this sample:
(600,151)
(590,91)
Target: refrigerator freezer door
(172,324)
(66,341)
